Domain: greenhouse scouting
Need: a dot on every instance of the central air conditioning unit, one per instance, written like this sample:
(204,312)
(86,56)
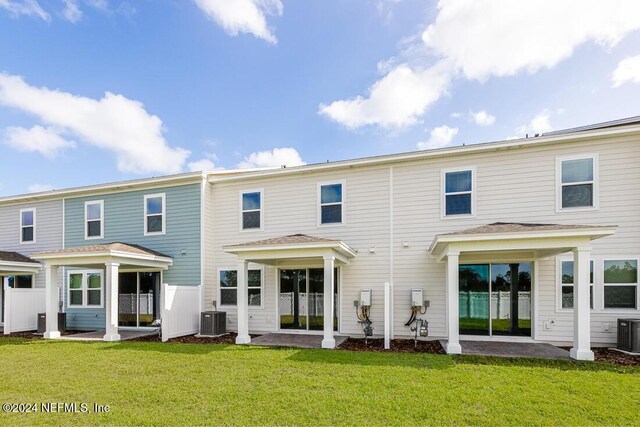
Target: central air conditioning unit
(629,335)
(213,323)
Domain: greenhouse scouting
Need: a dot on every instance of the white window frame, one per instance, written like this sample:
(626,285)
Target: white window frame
(220,305)
(86,219)
(85,288)
(637,284)
(444,194)
(595,183)
(261,210)
(343,203)
(6,280)
(559,284)
(27,242)
(164,214)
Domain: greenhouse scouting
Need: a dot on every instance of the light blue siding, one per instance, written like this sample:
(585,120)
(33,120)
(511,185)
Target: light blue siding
(124,222)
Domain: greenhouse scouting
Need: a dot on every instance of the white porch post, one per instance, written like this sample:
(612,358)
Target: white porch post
(51,301)
(581,305)
(243,303)
(329,265)
(111,301)
(453,342)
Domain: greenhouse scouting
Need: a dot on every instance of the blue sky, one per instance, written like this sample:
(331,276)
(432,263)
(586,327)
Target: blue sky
(96,91)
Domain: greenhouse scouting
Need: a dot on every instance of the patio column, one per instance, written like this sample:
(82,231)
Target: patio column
(453,327)
(581,305)
(329,281)
(111,301)
(243,303)
(51,301)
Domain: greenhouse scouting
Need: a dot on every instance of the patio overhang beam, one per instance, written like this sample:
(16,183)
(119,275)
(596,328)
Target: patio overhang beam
(12,268)
(274,254)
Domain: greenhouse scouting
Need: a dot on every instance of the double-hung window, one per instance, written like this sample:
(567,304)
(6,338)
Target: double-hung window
(154,214)
(94,219)
(578,182)
(27,225)
(229,287)
(85,289)
(458,192)
(566,279)
(331,206)
(251,210)
(621,283)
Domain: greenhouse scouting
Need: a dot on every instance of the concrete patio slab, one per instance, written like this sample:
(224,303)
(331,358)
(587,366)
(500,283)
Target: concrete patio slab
(512,349)
(99,334)
(293,340)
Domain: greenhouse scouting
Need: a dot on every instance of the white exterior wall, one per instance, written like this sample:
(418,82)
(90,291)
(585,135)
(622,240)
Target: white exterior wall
(49,230)
(515,185)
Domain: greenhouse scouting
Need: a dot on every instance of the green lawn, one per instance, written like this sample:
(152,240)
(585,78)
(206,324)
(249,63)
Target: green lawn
(155,383)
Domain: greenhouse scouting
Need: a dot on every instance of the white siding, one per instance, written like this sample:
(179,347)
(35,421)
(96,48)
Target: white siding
(515,185)
(48,230)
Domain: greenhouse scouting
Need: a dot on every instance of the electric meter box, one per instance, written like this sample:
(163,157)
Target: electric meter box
(365,297)
(416,298)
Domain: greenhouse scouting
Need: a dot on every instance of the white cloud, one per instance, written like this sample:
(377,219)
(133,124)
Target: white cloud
(39,188)
(539,124)
(441,136)
(479,39)
(396,100)
(627,71)
(25,7)
(243,16)
(487,38)
(71,12)
(272,158)
(113,123)
(201,165)
(482,118)
(46,141)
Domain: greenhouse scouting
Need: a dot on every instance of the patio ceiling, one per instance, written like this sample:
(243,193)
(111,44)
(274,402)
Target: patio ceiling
(517,240)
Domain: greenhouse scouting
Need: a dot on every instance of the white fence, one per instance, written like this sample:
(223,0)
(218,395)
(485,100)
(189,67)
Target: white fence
(180,310)
(127,303)
(21,308)
(314,300)
(474,305)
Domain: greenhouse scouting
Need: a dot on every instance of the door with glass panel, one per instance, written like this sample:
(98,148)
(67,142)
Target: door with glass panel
(301,302)
(138,299)
(495,299)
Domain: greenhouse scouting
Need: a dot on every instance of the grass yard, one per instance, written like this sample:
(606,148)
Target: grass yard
(155,383)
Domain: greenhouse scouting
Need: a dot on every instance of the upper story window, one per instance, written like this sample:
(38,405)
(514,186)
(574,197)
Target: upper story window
(154,214)
(27,225)
(251,210)
(621,283)
(331,206)
(577,182)
(567,283)
(85,289)
(94,219)
(458,192)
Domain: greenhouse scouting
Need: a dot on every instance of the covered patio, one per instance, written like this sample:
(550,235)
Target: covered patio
(111,258)
(519,241)
(298,248)
(23,305)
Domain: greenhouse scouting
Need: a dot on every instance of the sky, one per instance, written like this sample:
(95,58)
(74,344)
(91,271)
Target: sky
(95,91)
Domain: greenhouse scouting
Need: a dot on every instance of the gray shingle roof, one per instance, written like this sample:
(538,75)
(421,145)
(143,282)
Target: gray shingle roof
(16,257)
(516,227)
(293,239)
(106,247)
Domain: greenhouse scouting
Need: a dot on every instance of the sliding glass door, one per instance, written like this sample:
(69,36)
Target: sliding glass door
(495,299)
(139,299)
(301,301)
